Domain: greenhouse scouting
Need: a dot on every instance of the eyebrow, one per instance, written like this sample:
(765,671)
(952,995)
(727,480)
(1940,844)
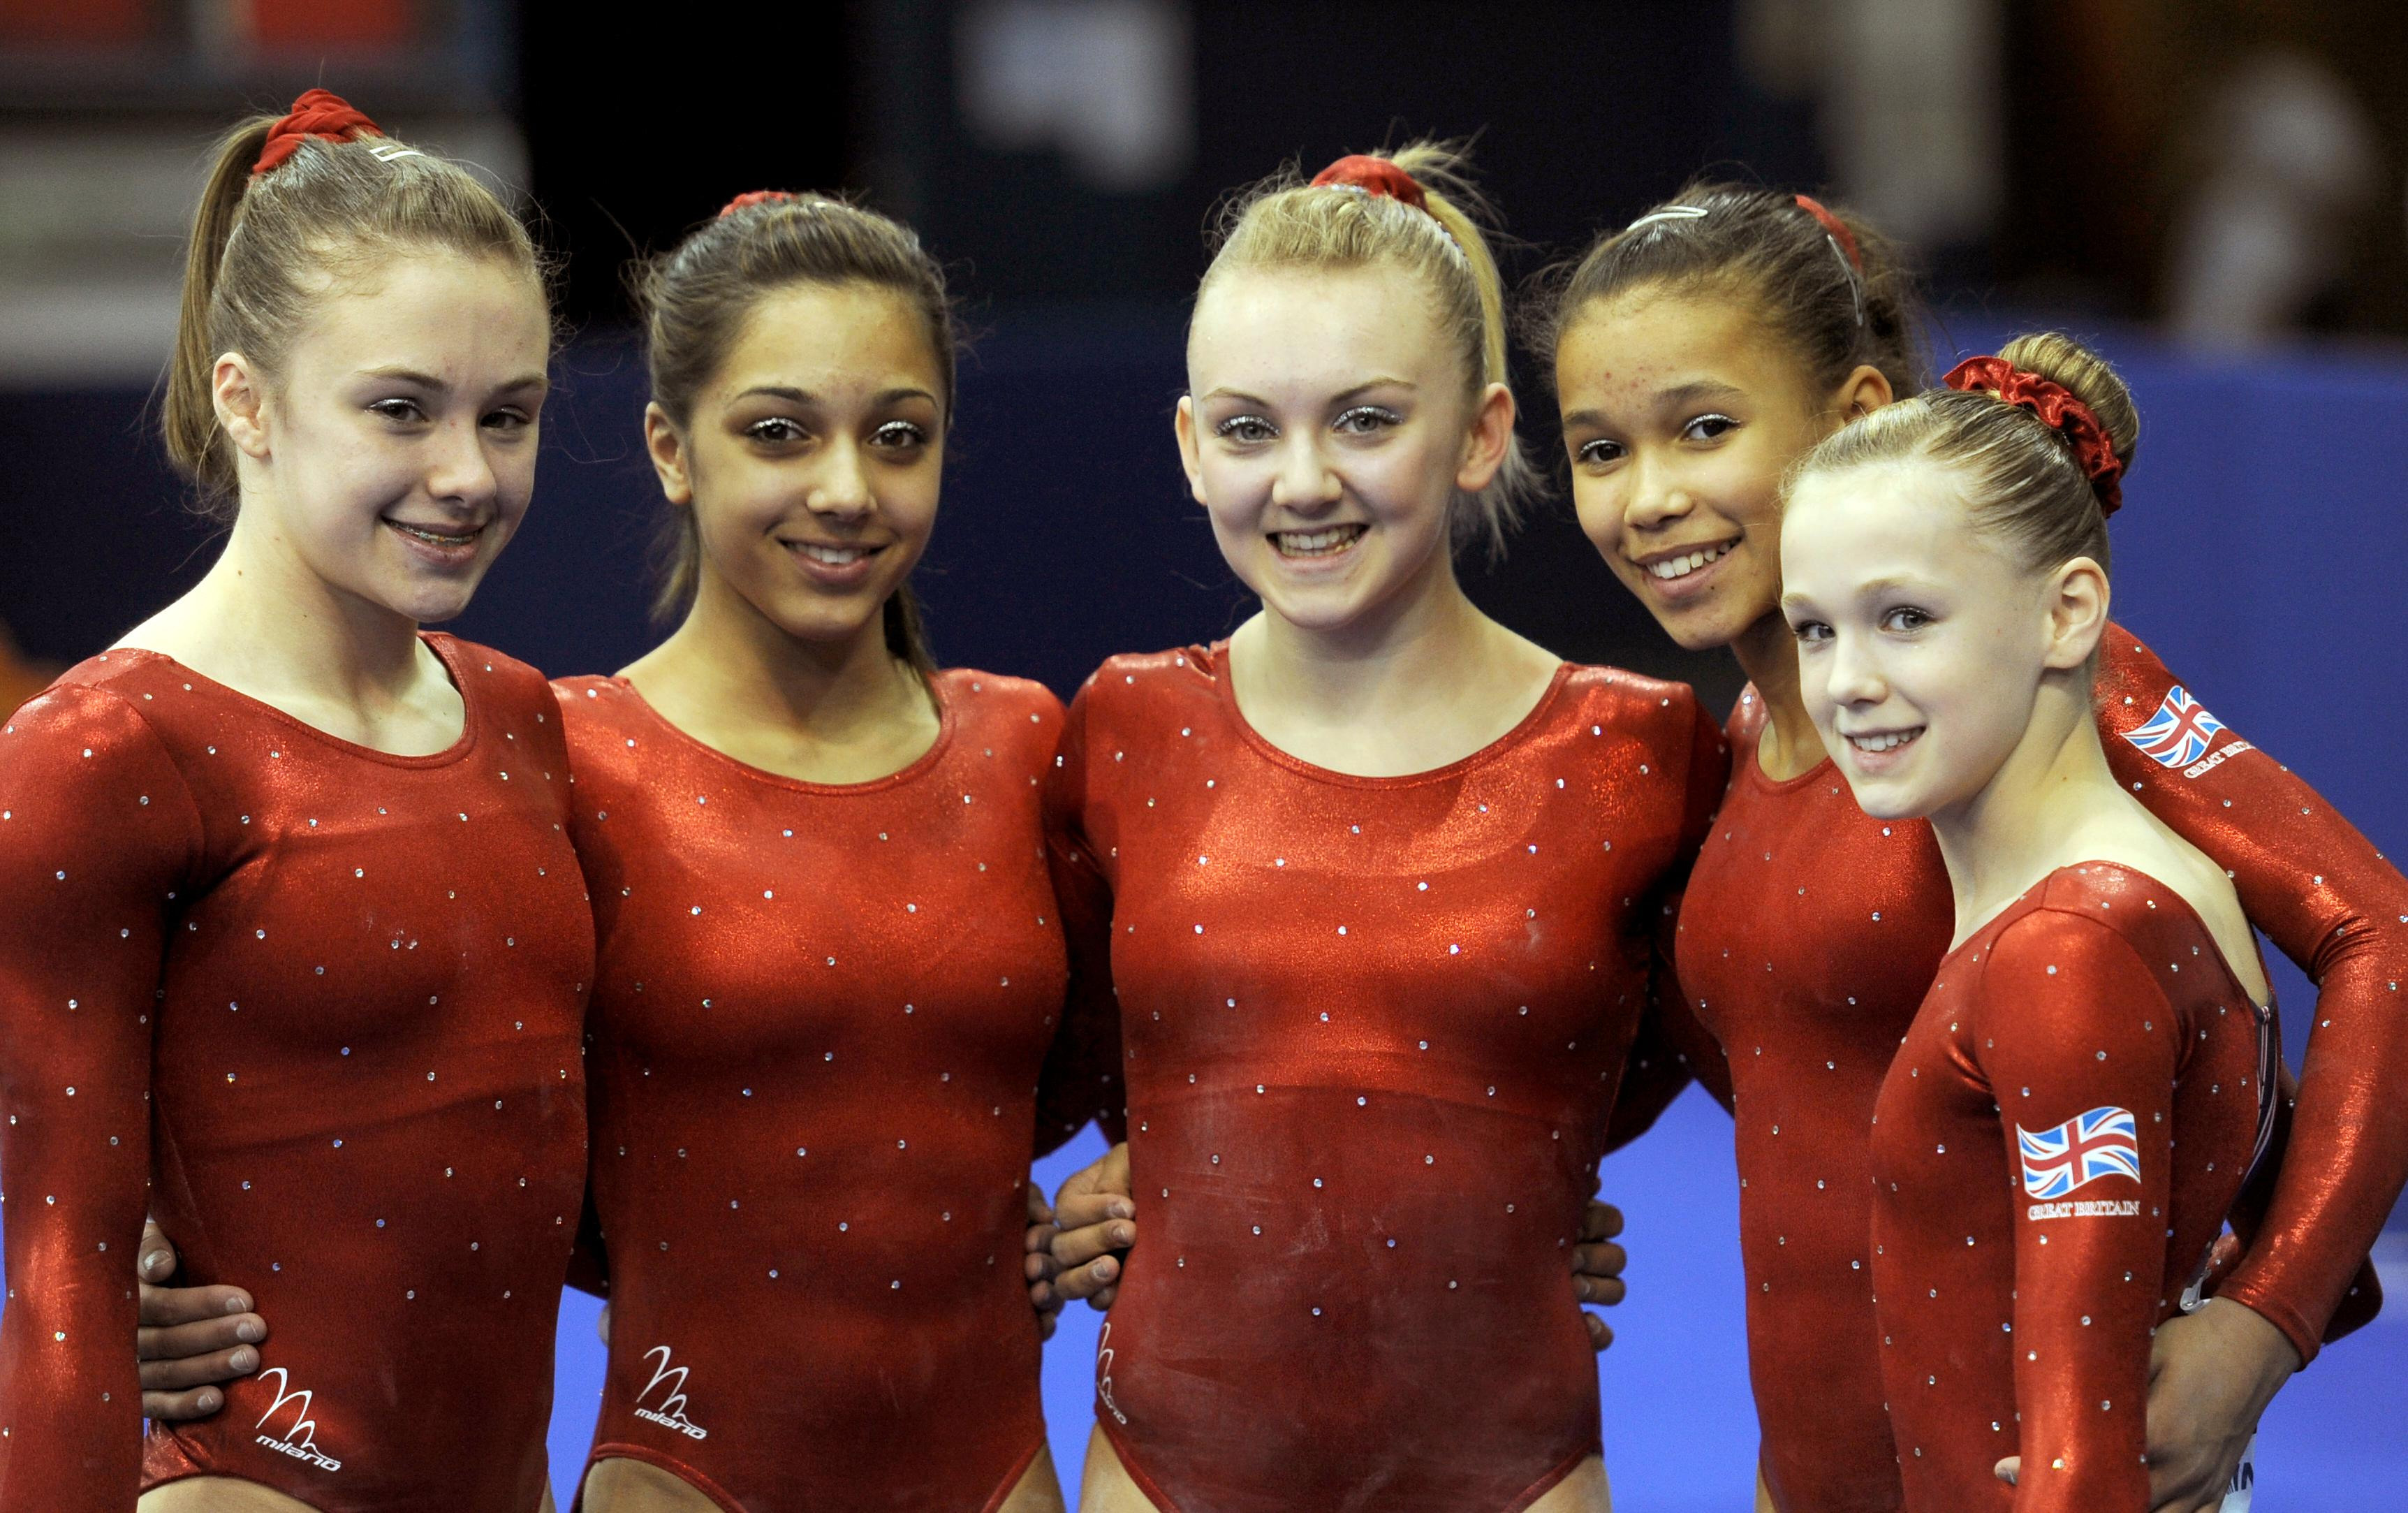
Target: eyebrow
(805,396)
(1671,398)
(429,381)
(1342,398)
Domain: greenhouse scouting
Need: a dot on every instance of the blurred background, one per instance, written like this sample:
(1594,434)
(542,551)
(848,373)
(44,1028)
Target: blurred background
(2216,189)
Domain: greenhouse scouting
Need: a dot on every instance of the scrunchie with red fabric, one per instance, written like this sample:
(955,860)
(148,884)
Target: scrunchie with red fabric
(1374,176)
(320,113)
(751,197)
(2056,405)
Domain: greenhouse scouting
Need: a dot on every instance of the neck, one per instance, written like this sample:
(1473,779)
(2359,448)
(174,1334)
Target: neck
(272,623)
(729,664)
(1420,644)
(1768,653)
(2028,819)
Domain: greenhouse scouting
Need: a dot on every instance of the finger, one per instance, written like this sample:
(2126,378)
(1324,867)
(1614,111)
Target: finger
(1039,1211)
(180,1407)
(1078,1210)
(199,1370)
(1046,1321)
(1603,1259)
(183,1341)
(602,1324)
(1076,1247)
(1600,1221)
(162,1305)
(1090,1281)
(1599,1333)
(2009,1469)
(157,1260)
(1039,1239)
(1102,1302)
(1607,1290)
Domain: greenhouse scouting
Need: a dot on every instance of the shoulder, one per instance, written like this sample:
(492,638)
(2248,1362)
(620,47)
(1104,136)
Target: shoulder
(491,674)
(1661,717)
(2094,913)
(1745,721)
(999,696)
(100,711)
(1135,683)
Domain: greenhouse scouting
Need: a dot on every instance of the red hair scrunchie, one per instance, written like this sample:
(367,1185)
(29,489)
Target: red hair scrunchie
(1374,176)
(1837,227)
(320,113)
(2057,407)
(751,197)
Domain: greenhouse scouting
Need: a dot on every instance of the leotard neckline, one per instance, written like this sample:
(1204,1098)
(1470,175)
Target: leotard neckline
(909,772)
(446,650)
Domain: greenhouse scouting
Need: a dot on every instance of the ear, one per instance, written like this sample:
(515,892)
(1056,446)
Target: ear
(241,402)
(2077,600)
(672,463)
(1492,435)
(1861,393)
(1191,459)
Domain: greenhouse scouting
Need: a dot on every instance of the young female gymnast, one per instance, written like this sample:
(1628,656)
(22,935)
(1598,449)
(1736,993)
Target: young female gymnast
(294,949)
(2069,1118)
(1698,353)
(1385,882)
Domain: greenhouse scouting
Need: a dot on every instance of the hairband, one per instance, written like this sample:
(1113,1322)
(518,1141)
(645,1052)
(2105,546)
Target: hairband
(2094,450)
(1844,247)
(1671,212)
(1374,176)
(319,113)
(758,197)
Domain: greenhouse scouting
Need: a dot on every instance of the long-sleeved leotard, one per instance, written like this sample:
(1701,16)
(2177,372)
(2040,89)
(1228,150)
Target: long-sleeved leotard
(2057,1145)
(1373,1030)
(820,1017)
(1809,934)
(350,987)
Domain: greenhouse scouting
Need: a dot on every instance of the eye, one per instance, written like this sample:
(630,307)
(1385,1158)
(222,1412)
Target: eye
(1599,452)
(401,412)
(1709,428)
(897,435)
(509,421)
(1365,419)
(1810,632)
(1905,619)
(775,430)
(1245,430)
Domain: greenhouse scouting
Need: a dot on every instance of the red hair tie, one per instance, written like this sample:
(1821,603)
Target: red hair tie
(1837,227)
(2056,405)
(757,196)
(320,113)
(1374,176)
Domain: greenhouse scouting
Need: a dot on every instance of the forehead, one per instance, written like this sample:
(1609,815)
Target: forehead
(828,330)
(1852,525)
(1634,342)
(1280,327)
(427,301)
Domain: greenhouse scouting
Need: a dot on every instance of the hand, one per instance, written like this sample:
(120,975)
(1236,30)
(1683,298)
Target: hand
(1039,1266)
(1597,1267)
(190,1338)
(1097,1219)
(2211,1374)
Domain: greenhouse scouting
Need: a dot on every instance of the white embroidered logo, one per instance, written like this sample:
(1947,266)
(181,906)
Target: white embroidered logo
(671,1413)
(301,1435)
(1104,1373)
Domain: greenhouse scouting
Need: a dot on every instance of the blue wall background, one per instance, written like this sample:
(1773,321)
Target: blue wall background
(2263,552)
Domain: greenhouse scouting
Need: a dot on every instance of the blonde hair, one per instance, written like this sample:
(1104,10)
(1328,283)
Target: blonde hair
(263,245)
(2022,483)
(1284,222)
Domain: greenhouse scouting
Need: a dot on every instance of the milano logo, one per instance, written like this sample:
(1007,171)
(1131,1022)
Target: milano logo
(300,1439)
(671,1413)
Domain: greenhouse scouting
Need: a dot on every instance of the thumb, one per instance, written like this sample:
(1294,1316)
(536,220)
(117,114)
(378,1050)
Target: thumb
(158,1262)
(2009,1469)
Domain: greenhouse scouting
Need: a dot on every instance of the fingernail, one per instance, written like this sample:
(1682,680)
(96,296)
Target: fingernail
(245,1358)
(1122,1235)
(1122,1208)
(237,1304)
(155,1262)
(248,1330)
(206,1402)
(1105,1268)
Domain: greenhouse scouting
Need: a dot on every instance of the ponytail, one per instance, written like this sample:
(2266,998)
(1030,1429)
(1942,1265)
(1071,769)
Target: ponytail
(190,417)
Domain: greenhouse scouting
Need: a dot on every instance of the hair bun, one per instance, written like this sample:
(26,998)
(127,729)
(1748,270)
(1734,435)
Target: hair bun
(2087,377)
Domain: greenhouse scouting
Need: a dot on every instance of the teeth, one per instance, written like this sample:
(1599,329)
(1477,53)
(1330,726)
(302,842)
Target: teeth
(1317,543)
(834,556)
(1683,565)
(1889,741)
(433,537)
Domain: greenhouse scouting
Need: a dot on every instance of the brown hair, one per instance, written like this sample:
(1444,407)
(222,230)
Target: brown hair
(697,297)
(1840,297)
(2022,482)
(264,247)
(1284,221)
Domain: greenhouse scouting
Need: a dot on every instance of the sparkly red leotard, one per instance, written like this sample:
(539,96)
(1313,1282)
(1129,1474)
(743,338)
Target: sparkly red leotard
(1809,935)
(2056,1146)
(1373,1027)
(350,987)
(819,1022)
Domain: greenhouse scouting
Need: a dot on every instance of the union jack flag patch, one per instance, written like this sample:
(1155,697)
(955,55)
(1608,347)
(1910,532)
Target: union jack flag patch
(2179,733)
(2104,1142)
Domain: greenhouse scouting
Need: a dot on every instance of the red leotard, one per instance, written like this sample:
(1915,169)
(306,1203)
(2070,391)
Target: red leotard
(1374,1027)
(1809,932)
(2057,1145)
(819,1022)
(350,987)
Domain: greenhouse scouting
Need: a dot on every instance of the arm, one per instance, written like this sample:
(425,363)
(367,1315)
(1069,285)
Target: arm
(2334,906)
(98,835)
(2087,1287)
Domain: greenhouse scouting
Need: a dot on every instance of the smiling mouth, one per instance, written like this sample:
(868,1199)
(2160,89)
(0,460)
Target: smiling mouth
(1884,741)
(432,537)
(1680,566)
(833,556)
(1328,542)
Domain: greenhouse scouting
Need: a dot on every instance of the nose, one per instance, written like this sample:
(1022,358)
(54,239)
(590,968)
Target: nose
(459,472)
(1852,670)
(841,486)
(1656,497)
(1305,482)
